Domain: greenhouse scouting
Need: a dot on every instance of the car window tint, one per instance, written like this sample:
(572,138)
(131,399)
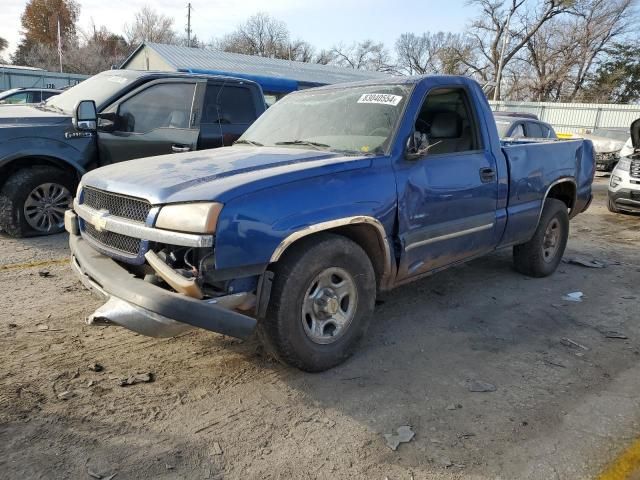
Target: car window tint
(20,97)
(160,106)
(46,95)
(534,130)
(228,105)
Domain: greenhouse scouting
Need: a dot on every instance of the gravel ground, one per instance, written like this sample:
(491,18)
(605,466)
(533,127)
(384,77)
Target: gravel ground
(220,408)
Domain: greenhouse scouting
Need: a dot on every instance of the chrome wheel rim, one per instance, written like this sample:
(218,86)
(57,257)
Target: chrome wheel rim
(551,241)
(45,206)
(329,305)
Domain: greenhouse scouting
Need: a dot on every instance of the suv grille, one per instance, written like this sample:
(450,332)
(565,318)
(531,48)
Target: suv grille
(114,241)
(634,171)
(118,205)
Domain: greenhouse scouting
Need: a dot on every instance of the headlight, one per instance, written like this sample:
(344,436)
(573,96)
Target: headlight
(624,164)
(190,217)
(615,181)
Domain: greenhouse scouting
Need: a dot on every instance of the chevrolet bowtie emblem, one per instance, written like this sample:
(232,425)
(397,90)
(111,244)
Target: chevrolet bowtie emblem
(100,220)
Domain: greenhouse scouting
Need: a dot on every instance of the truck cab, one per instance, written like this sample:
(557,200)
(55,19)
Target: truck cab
(46,148)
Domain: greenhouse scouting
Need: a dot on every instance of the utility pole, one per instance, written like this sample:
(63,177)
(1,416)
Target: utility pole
(189,25)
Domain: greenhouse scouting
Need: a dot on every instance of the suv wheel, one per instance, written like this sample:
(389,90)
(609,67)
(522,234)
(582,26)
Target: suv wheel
(322,297)
(33,201)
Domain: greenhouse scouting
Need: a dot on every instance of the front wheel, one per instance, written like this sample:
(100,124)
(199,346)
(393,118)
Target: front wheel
(322,297)
(33,201)
(541,255)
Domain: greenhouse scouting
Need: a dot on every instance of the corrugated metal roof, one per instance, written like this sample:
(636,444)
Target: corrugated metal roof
(184,58)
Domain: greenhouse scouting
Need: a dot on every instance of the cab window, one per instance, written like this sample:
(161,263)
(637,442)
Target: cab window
(159,106)
(447,121)
(228,105)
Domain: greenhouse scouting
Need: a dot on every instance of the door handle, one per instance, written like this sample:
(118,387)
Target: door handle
(487,175)
(180,148)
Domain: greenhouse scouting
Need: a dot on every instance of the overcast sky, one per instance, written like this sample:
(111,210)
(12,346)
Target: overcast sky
(323,23)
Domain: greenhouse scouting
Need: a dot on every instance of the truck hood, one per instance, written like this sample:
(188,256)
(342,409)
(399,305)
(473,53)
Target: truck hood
(218,174)
(15,115)
(604,144)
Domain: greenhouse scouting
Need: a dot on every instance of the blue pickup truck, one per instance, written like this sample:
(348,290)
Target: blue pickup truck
(333,195)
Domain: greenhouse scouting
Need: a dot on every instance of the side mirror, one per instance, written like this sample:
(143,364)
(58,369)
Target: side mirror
(85,116)
(417,146)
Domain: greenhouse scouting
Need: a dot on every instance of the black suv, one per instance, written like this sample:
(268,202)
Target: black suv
(114,116)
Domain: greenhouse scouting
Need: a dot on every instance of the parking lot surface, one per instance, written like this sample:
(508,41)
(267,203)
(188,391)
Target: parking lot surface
(565,403)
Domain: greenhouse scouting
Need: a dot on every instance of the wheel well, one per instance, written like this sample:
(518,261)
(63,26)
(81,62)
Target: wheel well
(368,238)
(24,162)
(565,192)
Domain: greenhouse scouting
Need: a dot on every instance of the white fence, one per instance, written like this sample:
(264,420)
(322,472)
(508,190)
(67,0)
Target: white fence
(575,117)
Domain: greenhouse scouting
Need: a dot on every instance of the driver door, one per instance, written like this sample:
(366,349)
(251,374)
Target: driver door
(160,118)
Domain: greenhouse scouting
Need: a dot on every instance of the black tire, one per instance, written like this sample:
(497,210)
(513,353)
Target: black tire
(533,258)
(611,206)
(283,330)
(17,189)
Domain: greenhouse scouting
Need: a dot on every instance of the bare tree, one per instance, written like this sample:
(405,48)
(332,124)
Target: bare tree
(150,26)
(260,35)
(365,55)
(441,52)
(565,51)
(503,28)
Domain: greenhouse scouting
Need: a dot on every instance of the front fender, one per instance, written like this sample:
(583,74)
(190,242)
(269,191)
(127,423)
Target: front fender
(76,157)
(253,229)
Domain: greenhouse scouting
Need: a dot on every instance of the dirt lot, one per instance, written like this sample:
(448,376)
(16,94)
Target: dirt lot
(219,408)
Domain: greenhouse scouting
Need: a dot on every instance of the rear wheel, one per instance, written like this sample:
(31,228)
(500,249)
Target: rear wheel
(541,255)
(33,201)
(321,301)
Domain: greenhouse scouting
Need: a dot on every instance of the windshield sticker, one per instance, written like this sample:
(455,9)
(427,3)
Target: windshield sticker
(116,79)
(380,98)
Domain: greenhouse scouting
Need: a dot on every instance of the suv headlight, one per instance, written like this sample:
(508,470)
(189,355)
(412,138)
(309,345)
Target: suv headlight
(190,217)
(624,164)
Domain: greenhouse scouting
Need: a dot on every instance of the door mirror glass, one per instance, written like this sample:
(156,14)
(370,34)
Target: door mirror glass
(417,146)
(85,115)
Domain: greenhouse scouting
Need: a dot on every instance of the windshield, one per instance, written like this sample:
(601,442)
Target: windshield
(355,119)
(99,88)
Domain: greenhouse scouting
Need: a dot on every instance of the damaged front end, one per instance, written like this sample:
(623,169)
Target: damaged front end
(157,282)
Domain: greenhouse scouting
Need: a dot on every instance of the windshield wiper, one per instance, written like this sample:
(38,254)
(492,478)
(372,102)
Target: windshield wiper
(319,146)
(248,142)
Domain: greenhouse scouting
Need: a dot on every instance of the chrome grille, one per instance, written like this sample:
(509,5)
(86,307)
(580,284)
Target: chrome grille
(113,241)
(634,171)
(118,205)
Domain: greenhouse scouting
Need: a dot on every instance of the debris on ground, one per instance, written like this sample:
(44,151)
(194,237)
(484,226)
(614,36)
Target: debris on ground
(584,262)
(454,406)
(137,378)
(216,449)
(573,297)
(66,395)
(554,364)
(45,273)
(93,474)
(13,325)
(403,434)
(567,342)
(42,327)
(615,335)
(480,386)
(96,367)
